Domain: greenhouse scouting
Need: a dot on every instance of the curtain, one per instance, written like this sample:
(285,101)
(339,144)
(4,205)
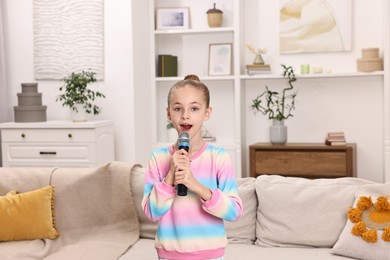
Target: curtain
(4,115)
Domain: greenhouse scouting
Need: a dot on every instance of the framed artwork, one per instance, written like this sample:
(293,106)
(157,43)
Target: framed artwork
(220,59)
(173,18)
(315,26)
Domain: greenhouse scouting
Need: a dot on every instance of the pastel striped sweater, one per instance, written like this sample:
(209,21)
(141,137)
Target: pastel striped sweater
(189,227)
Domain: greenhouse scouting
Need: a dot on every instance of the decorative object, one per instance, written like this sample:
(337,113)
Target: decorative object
(257,51)
(173,18)
(214,17)
(171,132)
(68,36)
(370,60)
(277,106)
(369,217)
(75,93)
(363,237)
(220,59)
(305,68)
(302,26)
(206,135)
(29,108)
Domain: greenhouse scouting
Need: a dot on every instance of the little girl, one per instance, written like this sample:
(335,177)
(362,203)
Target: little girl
(190,227)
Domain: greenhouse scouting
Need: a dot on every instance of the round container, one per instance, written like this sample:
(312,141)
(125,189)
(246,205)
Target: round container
(29,99)
(370,53)
(214,17)
(29,87)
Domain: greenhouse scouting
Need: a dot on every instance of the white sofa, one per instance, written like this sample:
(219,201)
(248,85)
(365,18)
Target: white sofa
(283,218)
(98,215)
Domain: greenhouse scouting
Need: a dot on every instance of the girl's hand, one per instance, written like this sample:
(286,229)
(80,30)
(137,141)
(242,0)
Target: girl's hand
(183,175)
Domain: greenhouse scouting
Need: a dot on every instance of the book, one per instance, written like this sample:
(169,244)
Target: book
(335,138)
(258,66)
(257,72)
(167,66)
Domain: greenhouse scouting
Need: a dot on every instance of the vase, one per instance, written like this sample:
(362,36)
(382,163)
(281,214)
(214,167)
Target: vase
(78,113)
(172,134)
(278,132)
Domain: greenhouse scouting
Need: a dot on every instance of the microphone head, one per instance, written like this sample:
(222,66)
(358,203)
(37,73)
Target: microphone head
(183,142)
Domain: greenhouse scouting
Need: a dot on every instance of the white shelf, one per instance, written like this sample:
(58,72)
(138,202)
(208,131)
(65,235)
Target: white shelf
(195,31)
(203,78)
(317,75)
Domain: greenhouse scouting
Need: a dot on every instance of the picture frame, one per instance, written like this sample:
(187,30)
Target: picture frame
(220,59)
(173,18)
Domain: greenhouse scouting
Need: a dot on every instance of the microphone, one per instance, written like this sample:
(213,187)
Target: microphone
(183,142)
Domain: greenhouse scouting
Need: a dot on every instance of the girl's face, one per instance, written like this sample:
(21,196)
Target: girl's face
(187,110)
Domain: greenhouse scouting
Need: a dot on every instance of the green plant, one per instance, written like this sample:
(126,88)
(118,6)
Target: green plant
(273,104)
(170,125)
(75,91)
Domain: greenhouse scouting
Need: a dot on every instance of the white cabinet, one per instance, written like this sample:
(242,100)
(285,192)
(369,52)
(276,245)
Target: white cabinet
(57,143)
(191,46)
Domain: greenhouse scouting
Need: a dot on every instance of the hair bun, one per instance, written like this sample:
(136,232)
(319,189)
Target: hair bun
(192,77)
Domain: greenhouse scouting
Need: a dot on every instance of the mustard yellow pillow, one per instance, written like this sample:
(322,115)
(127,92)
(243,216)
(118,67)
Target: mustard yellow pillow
(28,215)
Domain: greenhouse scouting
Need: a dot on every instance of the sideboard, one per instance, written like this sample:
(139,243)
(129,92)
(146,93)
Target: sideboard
(57,143)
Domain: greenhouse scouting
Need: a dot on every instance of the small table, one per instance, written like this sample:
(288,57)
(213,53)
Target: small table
(308,160)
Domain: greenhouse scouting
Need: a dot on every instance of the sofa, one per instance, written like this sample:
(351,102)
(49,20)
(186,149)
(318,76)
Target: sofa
(98,215)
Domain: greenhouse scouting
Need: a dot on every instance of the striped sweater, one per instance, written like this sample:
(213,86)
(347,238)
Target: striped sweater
(189,227)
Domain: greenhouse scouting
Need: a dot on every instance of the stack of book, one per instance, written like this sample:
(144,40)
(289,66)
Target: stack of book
(254,69)
(335,138)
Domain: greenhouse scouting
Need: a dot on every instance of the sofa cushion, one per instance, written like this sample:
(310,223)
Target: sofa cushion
(27,215)
(243,230)
(354,246)
(148,228)
(303,212)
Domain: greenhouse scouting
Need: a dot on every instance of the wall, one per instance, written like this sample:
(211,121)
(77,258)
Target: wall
(118,84)
(350,104)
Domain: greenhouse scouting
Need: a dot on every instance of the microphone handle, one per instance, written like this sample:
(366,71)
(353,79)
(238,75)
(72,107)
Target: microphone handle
(181,188)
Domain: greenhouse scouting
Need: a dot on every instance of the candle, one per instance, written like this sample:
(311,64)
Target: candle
(305,69)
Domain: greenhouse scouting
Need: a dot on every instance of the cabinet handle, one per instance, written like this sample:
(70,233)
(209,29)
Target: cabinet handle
(51,153)
(23,135)
(70,135)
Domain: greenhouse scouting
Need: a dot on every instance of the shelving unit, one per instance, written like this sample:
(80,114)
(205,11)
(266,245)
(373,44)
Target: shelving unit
(228,93)
(192,48)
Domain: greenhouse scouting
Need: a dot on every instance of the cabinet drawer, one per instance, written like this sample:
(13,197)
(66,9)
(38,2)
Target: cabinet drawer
(295,163)
(48,135)
(80,152)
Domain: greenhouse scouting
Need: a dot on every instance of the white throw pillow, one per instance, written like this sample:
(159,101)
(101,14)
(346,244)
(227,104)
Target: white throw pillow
(302,212)
(354,246)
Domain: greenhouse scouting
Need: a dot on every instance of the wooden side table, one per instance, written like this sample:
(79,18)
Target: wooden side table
(308,160)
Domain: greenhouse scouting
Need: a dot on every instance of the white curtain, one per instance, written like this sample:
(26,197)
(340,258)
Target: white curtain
(4,115)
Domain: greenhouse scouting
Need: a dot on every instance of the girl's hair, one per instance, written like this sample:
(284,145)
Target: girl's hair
(193,81)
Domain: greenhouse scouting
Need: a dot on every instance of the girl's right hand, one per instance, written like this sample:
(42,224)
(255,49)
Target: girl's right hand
(180,161)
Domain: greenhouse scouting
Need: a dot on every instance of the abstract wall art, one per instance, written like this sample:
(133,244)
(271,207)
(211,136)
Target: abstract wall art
(315,26)
(68,37)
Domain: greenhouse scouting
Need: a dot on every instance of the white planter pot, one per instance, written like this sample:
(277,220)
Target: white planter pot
(172,135)
(278,132)
(80,115)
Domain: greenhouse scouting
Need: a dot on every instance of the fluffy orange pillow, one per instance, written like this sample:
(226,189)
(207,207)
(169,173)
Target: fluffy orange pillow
(28,215)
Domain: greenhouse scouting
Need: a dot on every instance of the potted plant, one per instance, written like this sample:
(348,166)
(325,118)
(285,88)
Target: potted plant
(171,132)
(277,106)
(77,96)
